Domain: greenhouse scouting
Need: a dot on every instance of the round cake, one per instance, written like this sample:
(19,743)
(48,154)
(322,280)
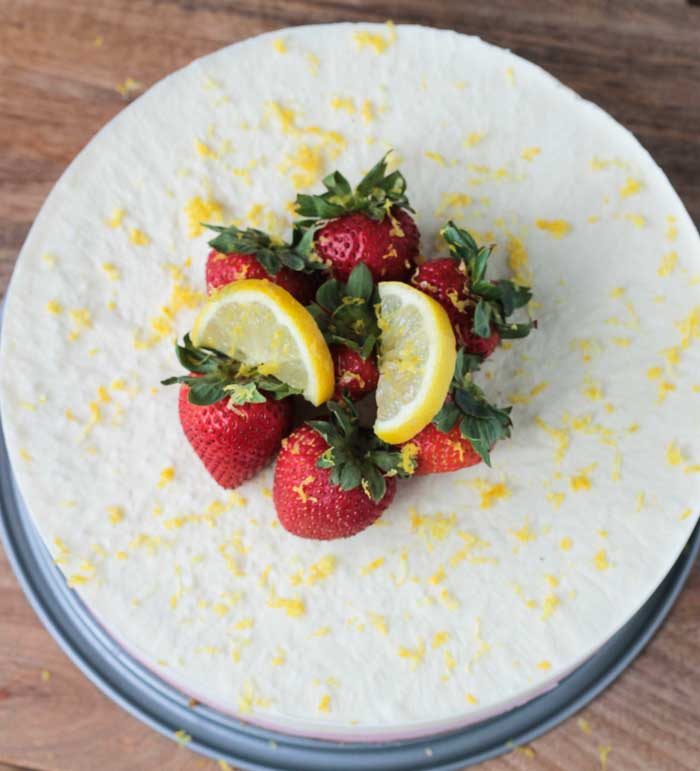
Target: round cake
(476,590)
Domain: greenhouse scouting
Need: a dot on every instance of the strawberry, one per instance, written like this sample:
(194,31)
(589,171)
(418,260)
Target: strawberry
(234,418)
(371,224)
(334,479)
(436,452)
(464,431)
(345,313)
(354,376)
(239,254)
(234,442)
(478,309)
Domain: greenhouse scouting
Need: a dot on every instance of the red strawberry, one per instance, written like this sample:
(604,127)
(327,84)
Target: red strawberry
(464,431)
(446,281)
(354,376)
(435,452)
(234,418)
(388,247)
(240,254)
(371,224)
(334,479)
(478,308)
(234,442)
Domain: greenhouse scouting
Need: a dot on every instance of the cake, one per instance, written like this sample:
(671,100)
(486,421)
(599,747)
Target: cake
(475,590)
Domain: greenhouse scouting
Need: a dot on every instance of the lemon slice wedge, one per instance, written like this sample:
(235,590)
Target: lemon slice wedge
(260,324)
(416,361)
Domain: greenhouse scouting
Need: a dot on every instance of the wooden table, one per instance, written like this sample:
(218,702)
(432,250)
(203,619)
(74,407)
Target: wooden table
(60,63)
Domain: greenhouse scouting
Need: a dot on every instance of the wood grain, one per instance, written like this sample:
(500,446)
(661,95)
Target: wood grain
(638,59)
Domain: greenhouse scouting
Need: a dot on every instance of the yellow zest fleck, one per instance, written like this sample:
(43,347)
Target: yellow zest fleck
(203,149)
(450,602)
(379,623)
(116,514)
(409,453)
(111,270)
(325,704)
(48,259)
(601,560)
(198,210)
(471,699)
(117,218)
(52,306)
(525,534)
(293,607)
(668,264)
(556,228)
(519,260)
(439,159)
(432,526)
(374,40)
(440,639)
(510,75)
(530,153)
(244,623)
(45,675)
(474,138)
(182,737)
(556,499)
(372,566)
(138,237)
(414,655)
(314,63)
(81,320)
(544,665)
(438,577)
(653,373)
(671,230)
(685,515)
(321,570)
(674,456)
(279,45)
(549,605)
(664,389)
(26,457)
(581,480)
(565,544)
(631,187)
(128,87)
(603,752)
(527,398)
(638,220)
(301,493)
(77,580)
(166,476)
(450,660)
(121,555)
(323,631)
(343,103)
(592,390)
(367,111)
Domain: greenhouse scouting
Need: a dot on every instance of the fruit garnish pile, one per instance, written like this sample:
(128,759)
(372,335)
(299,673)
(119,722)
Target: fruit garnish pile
(344,357)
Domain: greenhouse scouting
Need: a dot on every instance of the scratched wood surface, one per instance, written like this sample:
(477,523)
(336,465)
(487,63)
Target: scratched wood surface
(60,61)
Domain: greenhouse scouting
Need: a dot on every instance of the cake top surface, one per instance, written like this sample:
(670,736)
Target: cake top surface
(475,589)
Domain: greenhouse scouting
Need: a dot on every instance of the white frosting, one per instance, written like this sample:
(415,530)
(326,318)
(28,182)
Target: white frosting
(519,609)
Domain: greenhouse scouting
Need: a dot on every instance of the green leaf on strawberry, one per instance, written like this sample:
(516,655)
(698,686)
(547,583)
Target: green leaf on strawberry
(345,312)
(297,255)
(214,376)
(376,193)
(480,422)
(356,456)
(495,300)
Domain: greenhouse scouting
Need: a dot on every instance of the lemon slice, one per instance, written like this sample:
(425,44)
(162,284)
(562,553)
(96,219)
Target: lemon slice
(416,361)
(259,323)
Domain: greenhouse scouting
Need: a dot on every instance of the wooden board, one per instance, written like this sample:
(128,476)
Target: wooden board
(60,63)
